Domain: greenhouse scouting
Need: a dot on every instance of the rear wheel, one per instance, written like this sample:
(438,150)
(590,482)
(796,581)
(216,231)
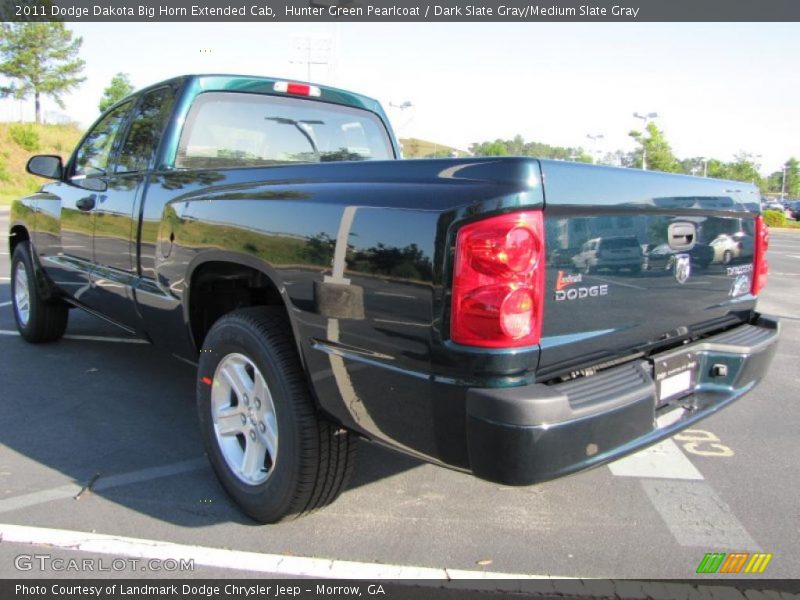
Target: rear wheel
(38,319)
(271,449)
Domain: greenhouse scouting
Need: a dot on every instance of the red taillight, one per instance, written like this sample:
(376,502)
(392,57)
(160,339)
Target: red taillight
(298,89)
(498,282)
(760,266)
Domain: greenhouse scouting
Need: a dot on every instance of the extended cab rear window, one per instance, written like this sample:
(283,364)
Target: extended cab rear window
(229,129)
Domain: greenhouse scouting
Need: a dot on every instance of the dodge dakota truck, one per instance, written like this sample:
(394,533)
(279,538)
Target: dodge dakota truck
(513,318)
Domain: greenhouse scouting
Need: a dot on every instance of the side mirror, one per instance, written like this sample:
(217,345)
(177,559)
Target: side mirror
(45,165)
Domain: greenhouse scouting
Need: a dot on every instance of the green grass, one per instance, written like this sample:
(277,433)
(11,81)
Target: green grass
(416,148)
(790,225)
(20,141)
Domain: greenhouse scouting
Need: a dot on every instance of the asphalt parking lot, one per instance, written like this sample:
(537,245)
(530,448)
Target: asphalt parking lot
(99,436)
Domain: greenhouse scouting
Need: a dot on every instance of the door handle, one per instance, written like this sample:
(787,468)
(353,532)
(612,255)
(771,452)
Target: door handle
(87,202)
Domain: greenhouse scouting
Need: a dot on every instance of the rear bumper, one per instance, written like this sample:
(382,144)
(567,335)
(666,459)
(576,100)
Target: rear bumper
(528,434)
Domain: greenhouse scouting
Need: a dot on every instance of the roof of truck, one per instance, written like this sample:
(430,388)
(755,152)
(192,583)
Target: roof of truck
(266,85)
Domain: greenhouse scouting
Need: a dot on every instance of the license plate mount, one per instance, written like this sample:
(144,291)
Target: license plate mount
(675,375)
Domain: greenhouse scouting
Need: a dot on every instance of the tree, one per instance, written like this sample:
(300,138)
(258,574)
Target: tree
(516,147)
(618,158)
(39,59)
(119,87)
(692,166)
(744,169)
(519,147)
(496,148)
(659,155)
(774,182)
(792,178)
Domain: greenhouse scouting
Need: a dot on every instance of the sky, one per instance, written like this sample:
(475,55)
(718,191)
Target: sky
(718,88)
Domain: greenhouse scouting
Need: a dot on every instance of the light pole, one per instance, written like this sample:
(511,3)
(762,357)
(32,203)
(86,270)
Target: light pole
(402,106)
(596,139)
(704,160)
(646,118)
(756,165)
(783,181)
(310,51)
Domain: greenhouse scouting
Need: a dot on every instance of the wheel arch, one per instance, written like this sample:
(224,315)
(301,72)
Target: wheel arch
(219,282)
(17,234)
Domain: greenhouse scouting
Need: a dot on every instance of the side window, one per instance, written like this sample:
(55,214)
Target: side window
(92,157)
(145,130)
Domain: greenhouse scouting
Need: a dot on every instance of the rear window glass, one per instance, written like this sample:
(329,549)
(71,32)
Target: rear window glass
(227,129)
(612,243)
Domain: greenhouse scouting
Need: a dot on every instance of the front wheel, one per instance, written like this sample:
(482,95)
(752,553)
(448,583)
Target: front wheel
(271,449)
(38,319)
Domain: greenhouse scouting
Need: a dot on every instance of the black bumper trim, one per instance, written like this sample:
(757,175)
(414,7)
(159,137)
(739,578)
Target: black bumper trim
(533,433)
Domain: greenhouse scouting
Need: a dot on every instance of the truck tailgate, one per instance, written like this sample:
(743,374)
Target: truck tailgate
(636,259)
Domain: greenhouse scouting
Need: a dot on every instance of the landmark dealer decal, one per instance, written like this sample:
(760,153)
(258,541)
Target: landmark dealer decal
(567,288)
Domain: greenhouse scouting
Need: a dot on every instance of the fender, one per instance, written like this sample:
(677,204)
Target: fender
(236,258)
(23,219)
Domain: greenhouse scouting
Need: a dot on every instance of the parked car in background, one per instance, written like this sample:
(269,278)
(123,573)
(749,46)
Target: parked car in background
(611,253)
(773,205)
(794,210)
(662,257)
(730,246)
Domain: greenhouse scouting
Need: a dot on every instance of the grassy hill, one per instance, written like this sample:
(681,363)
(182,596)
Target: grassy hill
(18,142)
(416,148)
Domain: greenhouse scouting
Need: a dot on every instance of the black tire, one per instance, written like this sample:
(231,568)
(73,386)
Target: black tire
(45,319)
(315,457)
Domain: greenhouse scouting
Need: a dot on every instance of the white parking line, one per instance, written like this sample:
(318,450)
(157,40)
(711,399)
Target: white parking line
(9,303)
(5,278)
(697,516)
(616,282)
(291,566)
(665,460)
(689,506)
(70,490)
(92,338)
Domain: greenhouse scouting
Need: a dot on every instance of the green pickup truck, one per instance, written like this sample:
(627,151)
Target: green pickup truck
(513,318)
